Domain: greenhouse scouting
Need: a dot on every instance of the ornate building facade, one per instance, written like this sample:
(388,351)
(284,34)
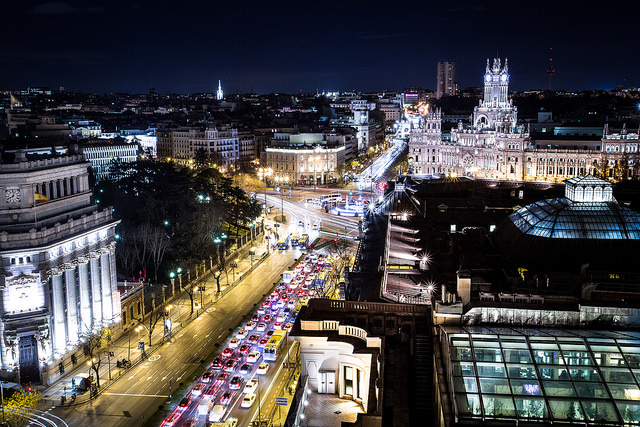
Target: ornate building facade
(57,265)
(494,145)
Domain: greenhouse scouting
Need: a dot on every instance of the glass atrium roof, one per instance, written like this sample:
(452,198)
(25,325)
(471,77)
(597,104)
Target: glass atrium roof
(564,219)
(547,375)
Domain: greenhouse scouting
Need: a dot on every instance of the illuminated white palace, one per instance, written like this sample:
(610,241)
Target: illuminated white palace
(494,145)
(58,272)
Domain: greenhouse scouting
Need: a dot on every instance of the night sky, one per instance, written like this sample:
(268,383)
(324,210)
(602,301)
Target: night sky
(293,46)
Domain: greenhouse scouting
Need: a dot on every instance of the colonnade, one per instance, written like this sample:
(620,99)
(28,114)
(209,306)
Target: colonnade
(82,296)
(62,187)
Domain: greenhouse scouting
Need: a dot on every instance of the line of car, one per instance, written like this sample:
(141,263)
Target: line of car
(232,373)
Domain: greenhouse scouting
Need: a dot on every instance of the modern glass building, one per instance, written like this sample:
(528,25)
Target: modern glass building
(513,376)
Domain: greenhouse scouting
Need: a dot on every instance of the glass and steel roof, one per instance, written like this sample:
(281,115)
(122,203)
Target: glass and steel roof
(561,218)
(546,375)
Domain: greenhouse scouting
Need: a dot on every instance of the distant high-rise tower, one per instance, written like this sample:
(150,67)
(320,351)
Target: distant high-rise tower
(446,84)
(219,94)
(550,70)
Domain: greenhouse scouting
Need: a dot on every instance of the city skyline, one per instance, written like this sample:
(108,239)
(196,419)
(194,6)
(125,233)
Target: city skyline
(132,47)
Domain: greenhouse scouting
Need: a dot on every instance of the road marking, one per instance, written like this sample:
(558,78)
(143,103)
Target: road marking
(132,394)
(164,378)
(154,358)
(149,377)
(132,376)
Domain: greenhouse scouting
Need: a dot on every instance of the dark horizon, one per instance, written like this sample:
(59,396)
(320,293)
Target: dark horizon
(118,46)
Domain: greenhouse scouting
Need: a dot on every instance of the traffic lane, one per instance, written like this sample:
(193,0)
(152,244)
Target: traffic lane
(240,308)
(147,376)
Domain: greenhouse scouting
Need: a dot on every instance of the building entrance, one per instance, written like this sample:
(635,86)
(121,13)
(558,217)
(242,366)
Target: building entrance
(29,371)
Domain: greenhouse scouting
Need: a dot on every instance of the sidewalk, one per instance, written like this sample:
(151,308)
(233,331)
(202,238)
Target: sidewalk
(126,346)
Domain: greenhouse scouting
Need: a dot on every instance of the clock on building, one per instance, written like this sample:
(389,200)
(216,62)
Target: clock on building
(12,196)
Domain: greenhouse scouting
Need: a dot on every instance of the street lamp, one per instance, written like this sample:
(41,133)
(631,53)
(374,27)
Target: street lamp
(167,322)
(252,252)
(234,266)
(217,276)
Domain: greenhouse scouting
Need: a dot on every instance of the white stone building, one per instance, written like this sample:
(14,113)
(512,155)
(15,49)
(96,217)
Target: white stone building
(307,158)
(494,145)
(57,271)
(103,154)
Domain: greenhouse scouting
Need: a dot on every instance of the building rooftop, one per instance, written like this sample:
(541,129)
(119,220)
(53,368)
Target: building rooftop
(562,376)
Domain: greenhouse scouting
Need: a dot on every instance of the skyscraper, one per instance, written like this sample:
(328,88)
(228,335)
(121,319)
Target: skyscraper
(446,84)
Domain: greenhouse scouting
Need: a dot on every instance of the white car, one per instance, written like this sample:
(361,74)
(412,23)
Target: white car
(250,326)
(242,334)
(261,327)
(234,343)
(247,400)
(254,356)
(263,368)
(252,386)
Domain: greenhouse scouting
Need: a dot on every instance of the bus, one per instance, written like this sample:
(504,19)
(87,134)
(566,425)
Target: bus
(284,243)
(275,345)
(329,198)
(294,239)
(287,276)
(304,241)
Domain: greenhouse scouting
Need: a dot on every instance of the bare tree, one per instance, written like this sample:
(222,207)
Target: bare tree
(93,348)
(340,247)
(158,242)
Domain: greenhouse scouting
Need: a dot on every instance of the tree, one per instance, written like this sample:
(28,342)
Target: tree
(340,247)
(201,158)
(20,407)
(93,348)
(158,243)
(249,183)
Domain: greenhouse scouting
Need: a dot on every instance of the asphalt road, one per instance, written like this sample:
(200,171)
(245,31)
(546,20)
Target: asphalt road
(134,398)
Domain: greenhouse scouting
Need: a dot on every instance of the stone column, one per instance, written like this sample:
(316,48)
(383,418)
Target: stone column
(115,297)
(55,189)
(73,320)
(57,309)
(96,293)
(85,296)
(107,303)
(67,183)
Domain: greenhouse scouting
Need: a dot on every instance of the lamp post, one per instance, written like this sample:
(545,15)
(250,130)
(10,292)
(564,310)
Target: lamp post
(234,266)
(180,278)
(172,276)
(217,276)
(252,252)
(167,321)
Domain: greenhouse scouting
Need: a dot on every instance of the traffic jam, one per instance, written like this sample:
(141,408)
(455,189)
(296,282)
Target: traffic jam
(230,384)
